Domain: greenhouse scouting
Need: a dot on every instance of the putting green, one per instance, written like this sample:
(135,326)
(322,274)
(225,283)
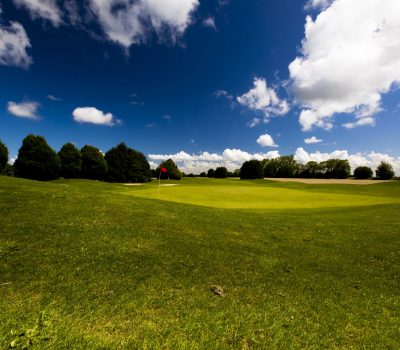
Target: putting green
(264,195)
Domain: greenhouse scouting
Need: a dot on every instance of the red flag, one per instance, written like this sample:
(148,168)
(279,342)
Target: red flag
(163,170)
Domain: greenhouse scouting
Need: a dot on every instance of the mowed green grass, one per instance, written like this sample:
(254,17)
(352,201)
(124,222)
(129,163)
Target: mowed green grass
(89,265)
(261,194)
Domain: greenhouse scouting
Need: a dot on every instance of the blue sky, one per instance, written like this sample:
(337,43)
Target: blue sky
(206,82)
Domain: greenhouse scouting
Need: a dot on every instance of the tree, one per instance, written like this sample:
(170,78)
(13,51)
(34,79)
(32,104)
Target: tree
(270,167)
(3,157)
(221,173)
(210,173)
(127,165)
(37,160)
(384,171)
(252,169)
(287,166)
(336,168)
(363,172)
(311,170)
(203,174)
(94,166)
(173,173)
(71,161)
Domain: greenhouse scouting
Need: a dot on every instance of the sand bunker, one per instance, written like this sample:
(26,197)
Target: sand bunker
(133,184)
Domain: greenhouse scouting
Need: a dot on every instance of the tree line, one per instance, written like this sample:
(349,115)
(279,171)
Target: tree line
(288,167)
(38,161)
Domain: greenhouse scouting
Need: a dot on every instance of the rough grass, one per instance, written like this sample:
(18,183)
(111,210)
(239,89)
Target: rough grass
(87,265)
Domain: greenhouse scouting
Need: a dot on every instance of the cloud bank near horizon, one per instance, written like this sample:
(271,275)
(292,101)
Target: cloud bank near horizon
(234,158)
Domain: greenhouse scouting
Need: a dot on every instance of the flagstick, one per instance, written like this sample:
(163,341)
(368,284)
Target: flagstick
(159,182)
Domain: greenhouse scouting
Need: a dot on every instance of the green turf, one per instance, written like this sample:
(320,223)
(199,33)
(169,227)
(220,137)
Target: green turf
(88,265)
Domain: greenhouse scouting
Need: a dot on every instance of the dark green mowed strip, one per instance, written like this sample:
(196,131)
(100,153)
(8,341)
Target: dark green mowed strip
(84,266)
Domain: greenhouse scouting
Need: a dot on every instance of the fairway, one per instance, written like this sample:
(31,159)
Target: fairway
(91,265)
(260,194)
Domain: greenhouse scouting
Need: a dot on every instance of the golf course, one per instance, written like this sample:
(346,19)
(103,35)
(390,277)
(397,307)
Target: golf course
(203,264)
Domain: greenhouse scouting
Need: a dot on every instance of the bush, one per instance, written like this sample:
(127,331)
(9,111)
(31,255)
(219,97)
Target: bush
(127,165)
(210,173)
(173,173)
(252,169)
(221,173)
(3,157)
(384,171)
(37,160)
(71,161)
(94,166)
(363,172)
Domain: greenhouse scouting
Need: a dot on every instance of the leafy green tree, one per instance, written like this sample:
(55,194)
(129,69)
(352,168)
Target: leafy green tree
(3,157)
(287,167)
(363,172)
(203,174)
(127,165)
(311,170)
(236,173)
(384,171)
(37,160)
(210,173)
(221,173)
(173,173)
(336,168)
(94,166)
(252,169)
(71,161)
(270,167)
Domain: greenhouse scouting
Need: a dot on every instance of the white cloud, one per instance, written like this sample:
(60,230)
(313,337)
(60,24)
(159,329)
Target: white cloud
(254,122)
(54,98)
(223,93)
(263,99)
(94,116)
(24,109)
(46,9)
(126,22)
(266,140)
(196,163)
(371,159)
(350,57)
(167,117)
(312,140)
(209,22)
(318,4)
(14,43)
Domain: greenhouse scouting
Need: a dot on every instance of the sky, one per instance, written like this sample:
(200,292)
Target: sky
(205,82)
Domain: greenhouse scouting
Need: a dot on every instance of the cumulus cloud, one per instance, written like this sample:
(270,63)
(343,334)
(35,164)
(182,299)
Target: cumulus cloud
(209,22)
(196,163)
(350,56)
(46,9)
(371,159)
(312,140)
(263,99)
(266,140)
(24,109)
(94,116)
(14,43)
(126,22)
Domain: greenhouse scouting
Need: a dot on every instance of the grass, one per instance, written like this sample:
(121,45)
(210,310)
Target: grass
(88,265)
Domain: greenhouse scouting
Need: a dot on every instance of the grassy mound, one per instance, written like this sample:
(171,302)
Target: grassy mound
(88,265)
